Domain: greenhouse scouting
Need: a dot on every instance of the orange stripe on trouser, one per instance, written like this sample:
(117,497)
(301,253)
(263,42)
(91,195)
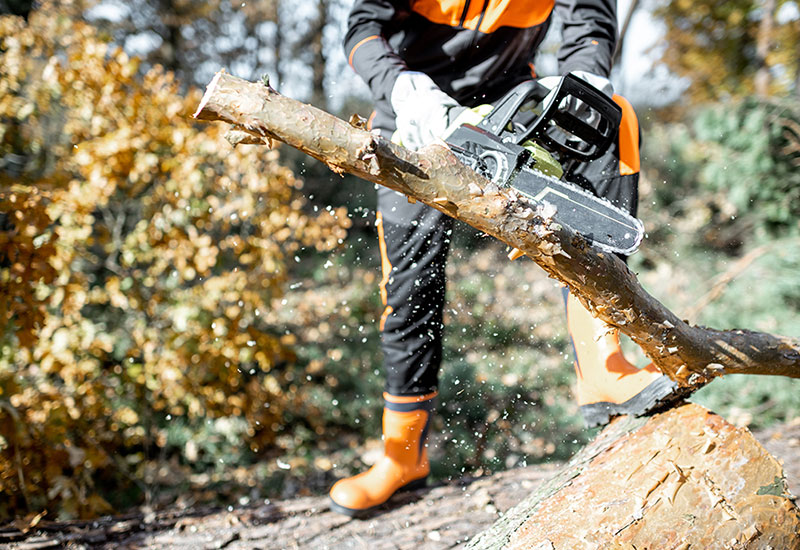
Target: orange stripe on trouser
(628,138)
(408,398)
(386,268)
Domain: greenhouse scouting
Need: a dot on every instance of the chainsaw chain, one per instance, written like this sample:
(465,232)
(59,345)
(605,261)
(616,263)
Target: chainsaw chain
(477,165)
(577,188)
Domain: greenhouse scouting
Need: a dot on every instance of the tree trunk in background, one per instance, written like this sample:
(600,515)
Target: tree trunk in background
(16,7)
(683,479)
(276,47)
(623,32)
(318,95)
(169,51)
(766,28)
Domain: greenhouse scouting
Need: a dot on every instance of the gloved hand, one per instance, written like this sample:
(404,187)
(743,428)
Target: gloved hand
(423,111)
(576,106)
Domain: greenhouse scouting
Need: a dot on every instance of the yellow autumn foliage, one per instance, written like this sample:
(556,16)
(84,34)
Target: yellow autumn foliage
(139,255)
(714,47)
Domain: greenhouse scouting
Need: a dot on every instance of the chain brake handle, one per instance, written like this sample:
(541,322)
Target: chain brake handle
(559,130)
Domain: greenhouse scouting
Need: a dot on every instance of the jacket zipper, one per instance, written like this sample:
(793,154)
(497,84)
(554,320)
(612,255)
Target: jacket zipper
(477,30)
(464,14)
(483,14)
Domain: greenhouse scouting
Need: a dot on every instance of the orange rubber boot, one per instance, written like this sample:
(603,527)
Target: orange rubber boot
(608,385)
(404,464)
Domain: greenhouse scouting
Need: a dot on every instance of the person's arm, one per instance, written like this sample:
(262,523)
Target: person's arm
(366,47)
(422,111)
(589,35)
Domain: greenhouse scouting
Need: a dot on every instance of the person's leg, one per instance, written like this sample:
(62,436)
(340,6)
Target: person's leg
(404,464)
(607,384)
(414,240)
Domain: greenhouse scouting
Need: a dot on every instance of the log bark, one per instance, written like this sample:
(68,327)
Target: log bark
(682,479)
(691,355)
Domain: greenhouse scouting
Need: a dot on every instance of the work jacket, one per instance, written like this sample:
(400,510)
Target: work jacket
(475,50)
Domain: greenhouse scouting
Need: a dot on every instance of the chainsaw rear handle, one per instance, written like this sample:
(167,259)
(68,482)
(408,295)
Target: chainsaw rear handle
(559,130)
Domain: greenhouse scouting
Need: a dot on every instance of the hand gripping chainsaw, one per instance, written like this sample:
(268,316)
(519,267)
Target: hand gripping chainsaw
(494,149)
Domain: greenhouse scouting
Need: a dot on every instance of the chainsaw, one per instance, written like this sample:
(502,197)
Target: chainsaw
(494,149)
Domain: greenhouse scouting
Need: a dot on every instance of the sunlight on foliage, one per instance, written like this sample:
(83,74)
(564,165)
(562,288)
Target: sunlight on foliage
(714,45)
(722,206)
(138,257)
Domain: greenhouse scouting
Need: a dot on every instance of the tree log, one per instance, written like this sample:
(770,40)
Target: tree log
(691,355)
(683,479)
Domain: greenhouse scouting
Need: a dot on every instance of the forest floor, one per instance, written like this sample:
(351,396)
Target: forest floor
(441,517)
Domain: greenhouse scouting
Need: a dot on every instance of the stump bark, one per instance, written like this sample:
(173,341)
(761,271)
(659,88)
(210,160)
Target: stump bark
(683,479)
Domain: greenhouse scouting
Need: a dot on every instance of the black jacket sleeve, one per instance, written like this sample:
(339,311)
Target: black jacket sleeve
(366,47)
(589,35)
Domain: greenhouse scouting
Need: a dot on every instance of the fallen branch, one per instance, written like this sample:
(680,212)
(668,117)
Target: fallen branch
(691,355)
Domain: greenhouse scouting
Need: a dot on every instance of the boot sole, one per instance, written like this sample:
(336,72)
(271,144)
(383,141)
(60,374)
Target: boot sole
(357,513)
(658,395)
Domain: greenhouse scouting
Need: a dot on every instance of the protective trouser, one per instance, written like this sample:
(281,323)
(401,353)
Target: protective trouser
(414,242)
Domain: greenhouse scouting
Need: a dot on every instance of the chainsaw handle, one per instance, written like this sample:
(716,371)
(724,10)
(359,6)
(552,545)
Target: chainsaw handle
(559,130)
(572,136)
(496,122)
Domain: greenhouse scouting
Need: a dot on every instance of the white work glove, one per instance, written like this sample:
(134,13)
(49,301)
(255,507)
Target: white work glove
(423,111)
(573,105)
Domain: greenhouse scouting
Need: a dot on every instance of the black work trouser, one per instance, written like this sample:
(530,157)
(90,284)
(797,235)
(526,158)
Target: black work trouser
(414,242)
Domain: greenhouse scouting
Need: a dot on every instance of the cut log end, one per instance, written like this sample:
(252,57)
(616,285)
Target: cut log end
(210,89)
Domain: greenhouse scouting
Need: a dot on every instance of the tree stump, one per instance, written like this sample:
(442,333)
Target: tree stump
(683,479)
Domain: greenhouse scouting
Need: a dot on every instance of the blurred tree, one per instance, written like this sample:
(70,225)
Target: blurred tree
(734,170)
(764,45)
(195,39)
(731,49)
(623,31)
(139,256)
(182,35)
(723,196)
(297,45)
